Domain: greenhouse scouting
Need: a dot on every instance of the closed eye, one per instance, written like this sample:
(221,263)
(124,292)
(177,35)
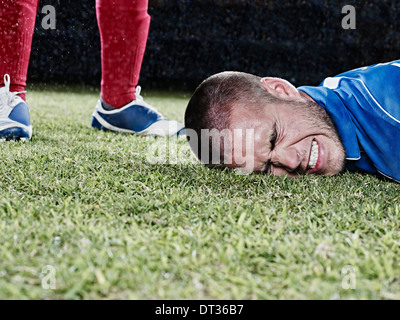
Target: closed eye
(273,136)
(272,141)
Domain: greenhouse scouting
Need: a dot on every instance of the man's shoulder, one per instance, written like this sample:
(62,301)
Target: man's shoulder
(375,76)
(375,88)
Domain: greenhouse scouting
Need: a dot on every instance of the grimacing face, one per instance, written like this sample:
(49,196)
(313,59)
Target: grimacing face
(291,138)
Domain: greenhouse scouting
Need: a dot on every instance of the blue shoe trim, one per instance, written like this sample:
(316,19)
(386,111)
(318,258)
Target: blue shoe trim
(96,124)
(181,132)
(20,113)
(136,118)
(14,133)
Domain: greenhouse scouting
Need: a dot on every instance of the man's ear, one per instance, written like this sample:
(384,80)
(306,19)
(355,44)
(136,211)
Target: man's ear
(280,88)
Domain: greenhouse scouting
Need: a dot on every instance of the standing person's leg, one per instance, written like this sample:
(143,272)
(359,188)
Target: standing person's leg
(17,22)
(124,27)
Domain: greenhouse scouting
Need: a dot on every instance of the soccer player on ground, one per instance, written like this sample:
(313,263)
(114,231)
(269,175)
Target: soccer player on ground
(351,121)
(124,27)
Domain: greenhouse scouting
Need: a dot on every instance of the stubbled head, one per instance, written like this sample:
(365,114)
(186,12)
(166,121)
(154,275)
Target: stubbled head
(242,121)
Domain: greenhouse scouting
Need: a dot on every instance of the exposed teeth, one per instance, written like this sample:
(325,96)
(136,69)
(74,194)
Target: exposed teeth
(314,155)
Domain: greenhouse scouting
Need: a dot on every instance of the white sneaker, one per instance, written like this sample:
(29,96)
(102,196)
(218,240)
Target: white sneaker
(136,117)
(14,115)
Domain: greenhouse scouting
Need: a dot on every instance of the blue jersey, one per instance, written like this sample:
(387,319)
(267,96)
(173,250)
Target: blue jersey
(364,104)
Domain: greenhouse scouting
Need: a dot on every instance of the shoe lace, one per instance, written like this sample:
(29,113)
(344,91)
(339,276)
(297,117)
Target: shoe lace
(140,99)
(7,98)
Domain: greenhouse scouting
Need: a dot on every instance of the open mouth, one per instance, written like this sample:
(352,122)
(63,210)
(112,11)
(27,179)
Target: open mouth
(314,154)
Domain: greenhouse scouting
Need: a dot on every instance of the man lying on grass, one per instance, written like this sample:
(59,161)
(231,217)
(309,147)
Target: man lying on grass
(351,121)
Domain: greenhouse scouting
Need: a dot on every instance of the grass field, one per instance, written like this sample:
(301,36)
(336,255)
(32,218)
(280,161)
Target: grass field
(113,225)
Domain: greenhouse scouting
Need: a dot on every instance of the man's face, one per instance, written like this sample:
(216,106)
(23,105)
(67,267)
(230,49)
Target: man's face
(291,138)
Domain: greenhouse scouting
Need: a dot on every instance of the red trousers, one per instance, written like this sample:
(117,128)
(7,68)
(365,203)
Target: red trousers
(124,27)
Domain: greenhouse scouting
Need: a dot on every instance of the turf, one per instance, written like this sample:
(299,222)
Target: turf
(116,224)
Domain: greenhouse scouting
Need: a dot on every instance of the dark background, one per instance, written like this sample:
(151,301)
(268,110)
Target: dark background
(302,41)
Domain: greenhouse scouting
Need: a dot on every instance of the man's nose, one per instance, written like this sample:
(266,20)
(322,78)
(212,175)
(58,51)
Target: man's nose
(289,159)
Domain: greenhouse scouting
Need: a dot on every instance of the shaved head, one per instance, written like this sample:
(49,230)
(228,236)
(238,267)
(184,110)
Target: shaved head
(212,105)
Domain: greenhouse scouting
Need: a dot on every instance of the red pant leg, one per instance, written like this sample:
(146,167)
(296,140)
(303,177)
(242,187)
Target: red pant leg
(17,22)
(124,27)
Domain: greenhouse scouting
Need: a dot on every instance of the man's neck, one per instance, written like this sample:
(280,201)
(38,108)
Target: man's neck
(306,96)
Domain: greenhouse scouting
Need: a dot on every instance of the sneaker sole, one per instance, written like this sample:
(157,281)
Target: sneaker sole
(96,123)
(15,133)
